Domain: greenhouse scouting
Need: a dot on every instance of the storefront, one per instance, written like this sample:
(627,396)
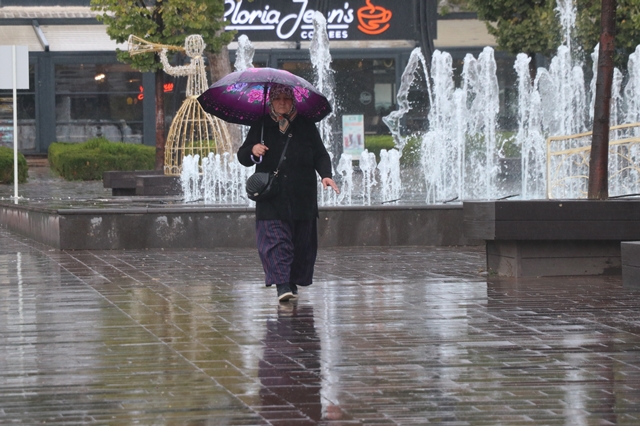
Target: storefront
(79,90)
(370,43)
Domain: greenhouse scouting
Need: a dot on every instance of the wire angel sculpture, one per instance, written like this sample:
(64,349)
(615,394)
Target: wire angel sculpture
(193,131)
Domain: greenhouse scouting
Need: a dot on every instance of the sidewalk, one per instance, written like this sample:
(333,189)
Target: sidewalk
(384,336)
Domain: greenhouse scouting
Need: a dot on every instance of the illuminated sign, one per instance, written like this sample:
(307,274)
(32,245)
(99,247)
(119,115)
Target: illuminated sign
(373,19)
(276,20)
(168,87)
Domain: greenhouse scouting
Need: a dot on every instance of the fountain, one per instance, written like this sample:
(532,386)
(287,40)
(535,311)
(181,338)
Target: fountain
(564,235)
(461,150)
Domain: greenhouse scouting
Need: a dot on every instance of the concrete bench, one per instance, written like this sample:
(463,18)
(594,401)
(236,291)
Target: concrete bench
(553,237)
(141,182)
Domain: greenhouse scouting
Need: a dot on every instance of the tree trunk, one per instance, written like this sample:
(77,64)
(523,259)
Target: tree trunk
(160,138)
(599,161)
(220,66)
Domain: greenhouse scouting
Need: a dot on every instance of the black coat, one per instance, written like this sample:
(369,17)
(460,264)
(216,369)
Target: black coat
(306,155)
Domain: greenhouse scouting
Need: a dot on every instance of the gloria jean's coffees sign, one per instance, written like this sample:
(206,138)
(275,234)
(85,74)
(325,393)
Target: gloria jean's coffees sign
(292,20)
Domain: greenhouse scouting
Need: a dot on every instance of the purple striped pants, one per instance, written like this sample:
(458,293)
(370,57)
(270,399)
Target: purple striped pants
(287,250)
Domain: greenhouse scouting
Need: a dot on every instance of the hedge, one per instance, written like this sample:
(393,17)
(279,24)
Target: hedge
(87,161)
(410,152)
(6,166)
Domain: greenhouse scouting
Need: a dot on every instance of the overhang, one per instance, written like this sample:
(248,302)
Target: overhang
(61,38)
(80,38)
(20,35)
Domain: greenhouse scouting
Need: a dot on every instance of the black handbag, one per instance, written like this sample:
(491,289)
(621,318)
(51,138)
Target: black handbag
(262,186)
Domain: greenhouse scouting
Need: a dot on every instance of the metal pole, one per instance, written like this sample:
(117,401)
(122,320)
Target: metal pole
(599,160)
(15,124)
(548,169)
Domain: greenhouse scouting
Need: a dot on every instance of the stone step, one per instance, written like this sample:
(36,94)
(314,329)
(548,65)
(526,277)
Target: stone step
(37,161)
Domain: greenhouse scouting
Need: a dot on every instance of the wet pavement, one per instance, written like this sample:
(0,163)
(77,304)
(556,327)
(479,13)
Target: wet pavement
(384,336)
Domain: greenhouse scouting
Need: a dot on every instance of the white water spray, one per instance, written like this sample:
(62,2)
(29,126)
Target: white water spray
(324,80)
(368,168)
(389,170)
(223,179)
(190,178)
(345,170)
(244,54)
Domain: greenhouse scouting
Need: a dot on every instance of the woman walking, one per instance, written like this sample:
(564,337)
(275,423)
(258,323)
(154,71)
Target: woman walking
(286,225)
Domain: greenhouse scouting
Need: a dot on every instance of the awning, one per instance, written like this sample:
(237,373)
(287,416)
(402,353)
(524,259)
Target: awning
(20,35)
(79,38)
(60,38)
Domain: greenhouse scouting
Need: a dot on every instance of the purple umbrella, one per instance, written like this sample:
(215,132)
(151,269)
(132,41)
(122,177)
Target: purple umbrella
(241,96)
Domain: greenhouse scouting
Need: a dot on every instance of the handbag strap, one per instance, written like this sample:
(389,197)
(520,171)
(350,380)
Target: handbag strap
(275,173)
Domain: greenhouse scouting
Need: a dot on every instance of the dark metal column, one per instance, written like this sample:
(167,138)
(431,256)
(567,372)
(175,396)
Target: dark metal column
(45,103)
(149,109)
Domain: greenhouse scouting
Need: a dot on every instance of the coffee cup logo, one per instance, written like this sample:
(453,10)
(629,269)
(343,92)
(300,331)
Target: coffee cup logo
(373,19)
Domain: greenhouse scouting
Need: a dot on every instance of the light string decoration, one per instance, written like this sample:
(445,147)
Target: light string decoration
(193,131)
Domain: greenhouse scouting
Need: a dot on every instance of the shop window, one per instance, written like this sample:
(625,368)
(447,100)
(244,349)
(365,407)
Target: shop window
(98,100)
(363,87)
(26,103)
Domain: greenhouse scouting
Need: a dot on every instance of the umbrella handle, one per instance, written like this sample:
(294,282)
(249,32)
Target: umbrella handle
(264,101)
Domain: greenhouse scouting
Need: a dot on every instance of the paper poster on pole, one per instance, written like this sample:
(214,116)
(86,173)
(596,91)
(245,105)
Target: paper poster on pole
(353,135)
(22,67)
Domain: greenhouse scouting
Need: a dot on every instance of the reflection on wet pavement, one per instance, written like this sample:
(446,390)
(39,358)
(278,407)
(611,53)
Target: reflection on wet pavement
(385,336)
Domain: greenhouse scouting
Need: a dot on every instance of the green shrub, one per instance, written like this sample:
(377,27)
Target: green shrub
(410,152)
(6,166)
(376,143)
(87,161)
(507,144)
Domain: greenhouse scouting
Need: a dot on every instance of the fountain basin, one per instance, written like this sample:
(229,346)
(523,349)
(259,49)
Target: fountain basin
(117,226)
(553,237)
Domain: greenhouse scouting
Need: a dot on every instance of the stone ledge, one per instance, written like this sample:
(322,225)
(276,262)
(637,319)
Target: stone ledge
(179,226)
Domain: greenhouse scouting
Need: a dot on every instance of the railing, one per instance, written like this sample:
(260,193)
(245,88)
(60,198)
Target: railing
(568,163)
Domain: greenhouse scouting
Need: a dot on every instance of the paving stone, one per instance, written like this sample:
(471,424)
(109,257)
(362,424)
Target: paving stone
(384,336)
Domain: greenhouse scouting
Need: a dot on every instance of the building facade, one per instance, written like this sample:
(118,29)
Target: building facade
(79,90)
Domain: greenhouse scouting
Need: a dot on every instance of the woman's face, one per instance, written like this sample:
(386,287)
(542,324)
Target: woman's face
(282,104)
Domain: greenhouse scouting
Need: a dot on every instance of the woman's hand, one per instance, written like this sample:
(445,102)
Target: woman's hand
(329,182)
(259,149)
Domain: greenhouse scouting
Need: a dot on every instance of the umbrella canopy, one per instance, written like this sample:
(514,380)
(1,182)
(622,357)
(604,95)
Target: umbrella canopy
(241,96)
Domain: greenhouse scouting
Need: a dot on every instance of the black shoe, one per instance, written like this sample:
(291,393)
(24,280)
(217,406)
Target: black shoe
(284,292)
(294,290)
